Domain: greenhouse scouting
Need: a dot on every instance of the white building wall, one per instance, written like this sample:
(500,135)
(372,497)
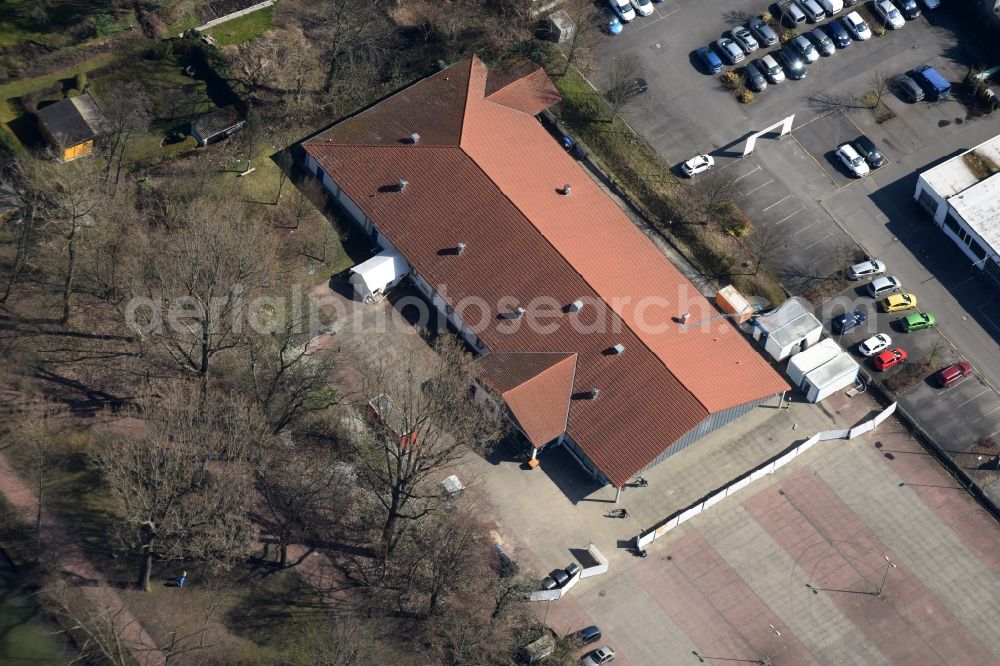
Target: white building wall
(930,200)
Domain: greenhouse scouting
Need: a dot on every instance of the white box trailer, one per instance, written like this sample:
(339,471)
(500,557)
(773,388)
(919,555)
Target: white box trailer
(832,376)
(810,359)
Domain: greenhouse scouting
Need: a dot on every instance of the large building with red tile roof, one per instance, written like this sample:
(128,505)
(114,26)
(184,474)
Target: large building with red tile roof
(575,313)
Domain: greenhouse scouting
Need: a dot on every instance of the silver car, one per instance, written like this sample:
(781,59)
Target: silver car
(811,9)
(764,33)
(822,41)
(744,39)
(883,286)
(866,269)
(805,49)
(730,52)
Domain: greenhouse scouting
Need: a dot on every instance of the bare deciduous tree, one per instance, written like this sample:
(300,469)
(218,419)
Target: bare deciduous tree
(621,77)
(426,425)
(716,192)
(304,491)
(183,485)
(880,83)
(198,279)
(127,110)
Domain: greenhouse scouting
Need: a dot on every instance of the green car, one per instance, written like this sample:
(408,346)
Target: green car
(918,321)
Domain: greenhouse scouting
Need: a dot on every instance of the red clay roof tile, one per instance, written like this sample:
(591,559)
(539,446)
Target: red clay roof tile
(526,242)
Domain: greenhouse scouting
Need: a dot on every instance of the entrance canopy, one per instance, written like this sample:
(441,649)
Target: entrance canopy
(380,272)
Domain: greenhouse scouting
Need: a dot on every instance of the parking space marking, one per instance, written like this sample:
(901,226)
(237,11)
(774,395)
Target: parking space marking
(817,242)
(788,216)
(754,170)
(978,395)
(776,203)
(809,226)
(646,24)
(985,415)
(756,188)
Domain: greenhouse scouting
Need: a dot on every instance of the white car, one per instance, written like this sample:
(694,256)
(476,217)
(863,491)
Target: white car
(697,164)
(857,27)
(890,16)
(772,70)
(744,39)
(854,162)
(885,285)
(644,7)
(866,269)
(729,50)
(624,9)
(875,344)
(831,7)
(599,656)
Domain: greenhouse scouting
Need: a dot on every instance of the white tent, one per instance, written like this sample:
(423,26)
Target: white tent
(382,271)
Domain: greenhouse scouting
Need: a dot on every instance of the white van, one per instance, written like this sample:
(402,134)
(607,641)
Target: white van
(831,7)
(793,14)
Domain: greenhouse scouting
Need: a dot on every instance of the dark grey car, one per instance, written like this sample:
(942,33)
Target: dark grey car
(823,43)
(756,81)
(909,8)
(908,88)
(762,31)
(838,34)
(794,68)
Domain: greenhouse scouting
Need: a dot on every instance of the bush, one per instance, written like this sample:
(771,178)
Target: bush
(737,224)
(174,149)
(730,80)
(767,18)
(72,92)
(746,96)
(877,30)
(787,35)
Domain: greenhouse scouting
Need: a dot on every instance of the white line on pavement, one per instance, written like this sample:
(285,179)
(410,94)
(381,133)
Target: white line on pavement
(788,216)
(817,242)
(775,204)
(756,188)
(755,170)
(809,226)
(978,395)
(985,415)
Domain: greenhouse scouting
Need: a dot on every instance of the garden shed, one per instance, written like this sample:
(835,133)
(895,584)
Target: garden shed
(71,125)
(788,329)
(217,125)
(382,271)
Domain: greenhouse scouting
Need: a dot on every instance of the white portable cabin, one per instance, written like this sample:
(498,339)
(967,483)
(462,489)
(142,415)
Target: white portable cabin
(831,377)
(788,329)
(812,358)
(379,273)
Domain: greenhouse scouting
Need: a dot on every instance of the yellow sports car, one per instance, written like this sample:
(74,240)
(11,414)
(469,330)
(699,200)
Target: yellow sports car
(899,302)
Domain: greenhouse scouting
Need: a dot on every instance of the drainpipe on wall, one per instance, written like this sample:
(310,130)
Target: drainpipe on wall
(618,494)
(534,453)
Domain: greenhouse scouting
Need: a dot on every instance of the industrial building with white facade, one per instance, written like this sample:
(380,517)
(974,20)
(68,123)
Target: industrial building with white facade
(963,197)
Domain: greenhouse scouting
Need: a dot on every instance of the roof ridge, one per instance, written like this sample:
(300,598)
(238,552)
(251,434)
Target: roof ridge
(573,268)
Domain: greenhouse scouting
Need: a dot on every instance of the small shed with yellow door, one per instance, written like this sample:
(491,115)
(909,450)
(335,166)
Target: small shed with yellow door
(71,125)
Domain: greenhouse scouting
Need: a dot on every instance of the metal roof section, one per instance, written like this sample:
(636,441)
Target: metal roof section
(979,206)
(789,322)
(957,174)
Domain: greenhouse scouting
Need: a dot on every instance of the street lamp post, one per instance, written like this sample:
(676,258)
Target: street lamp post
(767,655)
(889,564)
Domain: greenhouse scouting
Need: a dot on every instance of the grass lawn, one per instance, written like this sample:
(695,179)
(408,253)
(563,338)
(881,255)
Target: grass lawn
(244,28)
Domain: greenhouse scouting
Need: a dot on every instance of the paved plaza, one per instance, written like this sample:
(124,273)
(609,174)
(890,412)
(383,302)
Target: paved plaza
(803,549)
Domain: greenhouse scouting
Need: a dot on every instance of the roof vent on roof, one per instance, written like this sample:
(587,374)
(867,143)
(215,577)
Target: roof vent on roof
(594,392)
(414,138)
(575,306)
(402,185)
(567,189)
(684,317)
(460,248)
(617,350)
(518,313)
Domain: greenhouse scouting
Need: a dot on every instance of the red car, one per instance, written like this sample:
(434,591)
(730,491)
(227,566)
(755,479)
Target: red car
(954,373)
(889,358)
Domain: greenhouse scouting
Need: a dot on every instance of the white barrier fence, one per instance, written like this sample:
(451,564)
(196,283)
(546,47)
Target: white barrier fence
(230,17)
(596,570)
(768,467)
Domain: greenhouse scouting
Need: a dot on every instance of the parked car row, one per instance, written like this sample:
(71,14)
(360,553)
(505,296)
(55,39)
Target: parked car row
(624,11)
(923,82)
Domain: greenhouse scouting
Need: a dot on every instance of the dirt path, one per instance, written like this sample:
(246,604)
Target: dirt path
(74,565)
